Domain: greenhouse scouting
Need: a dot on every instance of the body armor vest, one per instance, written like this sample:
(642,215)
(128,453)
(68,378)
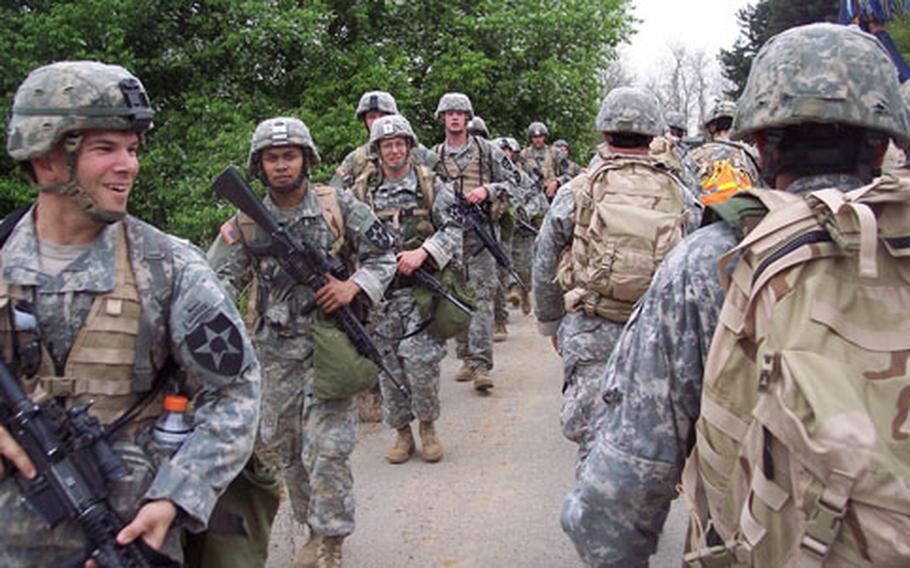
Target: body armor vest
(463,181)
(416,223)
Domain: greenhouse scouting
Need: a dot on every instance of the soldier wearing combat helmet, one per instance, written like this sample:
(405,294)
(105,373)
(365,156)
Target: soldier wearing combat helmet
(482,174)
(313,436)
(832,135)
(415,205)
(581,308)
(89,275)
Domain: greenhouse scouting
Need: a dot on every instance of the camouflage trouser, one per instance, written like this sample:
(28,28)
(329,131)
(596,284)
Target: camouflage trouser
(500,311)
(523,254)
(26,543)
(313,439)
(414,360)
(475,347)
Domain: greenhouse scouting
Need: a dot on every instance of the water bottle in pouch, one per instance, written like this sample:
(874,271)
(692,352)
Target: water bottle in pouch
(174,425)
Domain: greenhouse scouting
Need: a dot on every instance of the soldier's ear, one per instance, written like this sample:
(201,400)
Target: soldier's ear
(51,168)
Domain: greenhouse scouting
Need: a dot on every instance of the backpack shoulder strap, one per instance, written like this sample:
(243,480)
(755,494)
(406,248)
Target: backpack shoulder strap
(331,212)
(10,221)
(426,184)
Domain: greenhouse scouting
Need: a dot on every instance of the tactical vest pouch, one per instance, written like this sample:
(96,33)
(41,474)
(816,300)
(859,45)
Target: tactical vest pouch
(447,320)
(340,371)
(802,454)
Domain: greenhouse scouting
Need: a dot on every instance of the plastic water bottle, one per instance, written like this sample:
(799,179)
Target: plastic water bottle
(173,426)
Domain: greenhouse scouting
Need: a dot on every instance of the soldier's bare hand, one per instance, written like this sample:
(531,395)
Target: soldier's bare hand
(411,260)
(336,294)
(151,523)
(551,188)
(14,453)
(478,195)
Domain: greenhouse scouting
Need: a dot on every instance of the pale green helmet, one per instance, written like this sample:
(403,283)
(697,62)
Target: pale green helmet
(676,119)
(721,109)
(391,126)
(561,143)
(633,110)
(376,100)
(69,97)
(477,126)
(508,142)
(822,73)
(280,131)
(454,101)
(537,129)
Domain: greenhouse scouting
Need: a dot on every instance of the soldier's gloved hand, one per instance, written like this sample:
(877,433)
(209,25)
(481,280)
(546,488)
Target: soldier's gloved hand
(336,294)
(151,523)
(551,188)
(477,195)
(12,451)
(411,260)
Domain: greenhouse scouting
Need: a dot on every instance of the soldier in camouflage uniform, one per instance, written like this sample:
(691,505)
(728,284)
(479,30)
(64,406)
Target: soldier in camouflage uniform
(313,437)
(481,173)
(570,168)
(629,118)
(669,148)
(653,383)
(372,105)
(94,276)
(415,205)
(719,147)
(477,127)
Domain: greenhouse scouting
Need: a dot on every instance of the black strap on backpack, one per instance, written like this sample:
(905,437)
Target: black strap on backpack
(10,221)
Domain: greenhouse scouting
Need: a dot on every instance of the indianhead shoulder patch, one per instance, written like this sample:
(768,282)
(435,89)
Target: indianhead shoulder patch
(217,346)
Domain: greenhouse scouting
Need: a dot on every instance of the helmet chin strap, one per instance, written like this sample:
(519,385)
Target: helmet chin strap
(285,189)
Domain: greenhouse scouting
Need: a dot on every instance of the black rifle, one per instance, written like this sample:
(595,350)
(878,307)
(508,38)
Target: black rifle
(74,465)
(305,263)
(474,218)
(423,278)
(527,226)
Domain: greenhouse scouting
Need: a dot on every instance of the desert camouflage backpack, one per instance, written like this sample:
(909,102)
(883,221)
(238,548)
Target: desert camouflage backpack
(802,452)
(629,213)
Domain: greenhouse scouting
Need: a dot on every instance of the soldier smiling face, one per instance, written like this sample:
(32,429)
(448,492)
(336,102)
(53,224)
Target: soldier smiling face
(393,152)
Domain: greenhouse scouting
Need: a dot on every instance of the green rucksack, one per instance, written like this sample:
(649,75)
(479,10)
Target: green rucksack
(339,370)
(447,320)
(802,452)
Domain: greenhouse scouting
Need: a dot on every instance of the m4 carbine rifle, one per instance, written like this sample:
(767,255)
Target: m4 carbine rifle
(474,218)
(421,277)
(305,263)
(74,465)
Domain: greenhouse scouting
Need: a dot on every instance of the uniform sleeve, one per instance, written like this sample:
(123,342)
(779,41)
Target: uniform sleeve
(372,245)
(652,386)
(229,260)
(210,344)
(446,242)
(555,235)
(344,174)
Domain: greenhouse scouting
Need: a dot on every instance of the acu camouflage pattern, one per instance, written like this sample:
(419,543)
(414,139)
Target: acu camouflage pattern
(478,127)
(313,437)
(720,110)
(631,109)
(415,359)
(652,393)
(822,73)
(363,158)
(454,101)
(69,97)
(226,406)
(676,119)
(803,400)
(376,101)
(280,131)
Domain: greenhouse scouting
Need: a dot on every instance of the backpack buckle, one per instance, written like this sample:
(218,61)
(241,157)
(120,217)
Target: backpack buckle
(711,556)
(822,527)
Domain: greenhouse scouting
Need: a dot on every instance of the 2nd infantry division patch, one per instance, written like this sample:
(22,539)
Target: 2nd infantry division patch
(217,346)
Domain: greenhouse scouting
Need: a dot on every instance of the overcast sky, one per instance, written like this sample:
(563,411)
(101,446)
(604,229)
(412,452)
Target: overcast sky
(698,24)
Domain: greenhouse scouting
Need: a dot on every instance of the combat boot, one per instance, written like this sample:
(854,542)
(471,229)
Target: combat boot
(430,448)
(501,333)
(514,296)
(306,554)
(482,380)
(403,448)
(525,303)
(465,373)
(329,553)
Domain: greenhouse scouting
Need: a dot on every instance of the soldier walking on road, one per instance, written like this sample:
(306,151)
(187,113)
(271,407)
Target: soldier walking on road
(114,302)
(627,212)
(313,436)
(415,205)
(482,174)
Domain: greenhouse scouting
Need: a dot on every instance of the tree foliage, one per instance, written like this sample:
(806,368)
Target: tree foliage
(758,22)
(215,68)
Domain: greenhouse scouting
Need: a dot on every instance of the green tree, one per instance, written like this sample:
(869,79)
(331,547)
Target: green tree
(760,21)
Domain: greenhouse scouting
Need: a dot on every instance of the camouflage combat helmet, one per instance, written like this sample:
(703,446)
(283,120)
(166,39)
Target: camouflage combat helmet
(632,110)
(561,143)
(391,126)
(68,97)
(58,102)
(280,131)
(822,73)
(508,142)
(376,100)
(676,119)
(720,110)
(454,101)
(478,126)
(537,129)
